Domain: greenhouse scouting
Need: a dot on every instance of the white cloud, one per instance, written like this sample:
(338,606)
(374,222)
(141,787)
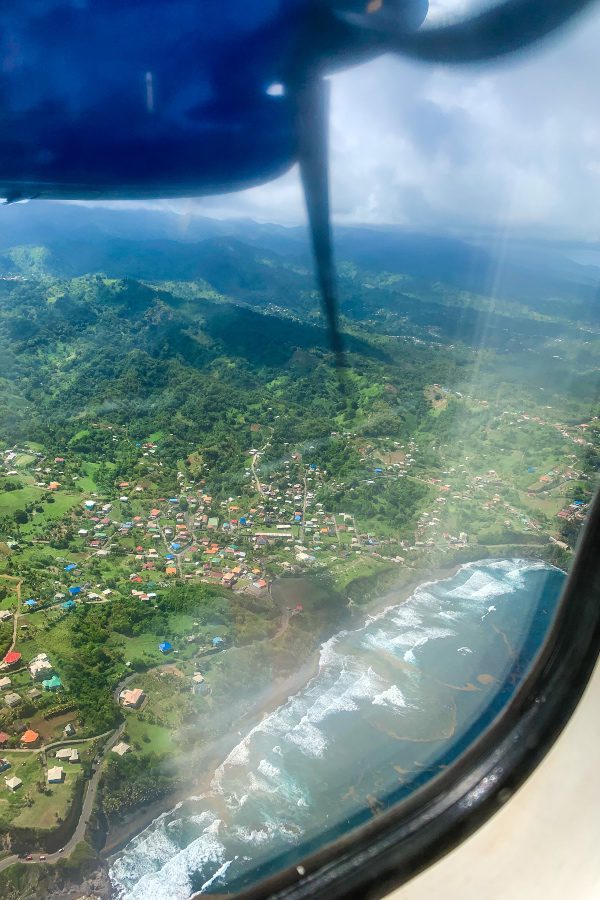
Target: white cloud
(513,145)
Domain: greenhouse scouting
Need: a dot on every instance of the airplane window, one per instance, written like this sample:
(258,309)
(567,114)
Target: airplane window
(276,552)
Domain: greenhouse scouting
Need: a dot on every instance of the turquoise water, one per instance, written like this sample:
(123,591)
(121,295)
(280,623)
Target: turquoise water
(394,701)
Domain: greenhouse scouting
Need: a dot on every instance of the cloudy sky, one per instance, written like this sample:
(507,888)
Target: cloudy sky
(515,145)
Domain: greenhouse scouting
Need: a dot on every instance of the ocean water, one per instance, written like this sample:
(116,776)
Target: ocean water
(395,699)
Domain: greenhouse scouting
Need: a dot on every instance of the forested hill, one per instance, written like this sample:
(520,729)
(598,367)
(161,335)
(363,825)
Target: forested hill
(82,351)
(199,338)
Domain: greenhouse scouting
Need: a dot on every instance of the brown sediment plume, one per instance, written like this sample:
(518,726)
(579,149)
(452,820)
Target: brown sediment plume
(469,686)
(484,678)
(509,647)
(448,732)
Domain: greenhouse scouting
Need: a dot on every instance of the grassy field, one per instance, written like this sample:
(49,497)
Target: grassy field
(61,505)
(357,566)
(145,647)
(148,737)
(86,482)
(167,698)
(13,500)
(27,807)
(48,633)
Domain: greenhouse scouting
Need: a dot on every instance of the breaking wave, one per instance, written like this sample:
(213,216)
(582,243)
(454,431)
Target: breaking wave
(381,699)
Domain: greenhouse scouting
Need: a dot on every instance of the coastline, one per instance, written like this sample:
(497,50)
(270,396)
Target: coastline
(210,758)
(404,589)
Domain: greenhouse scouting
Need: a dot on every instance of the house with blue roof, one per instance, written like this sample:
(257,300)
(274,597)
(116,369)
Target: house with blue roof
(68,604)
(74,590)
(165,647)
(217,641)
(70,567)
(31,603)
(52,684)
(175,546)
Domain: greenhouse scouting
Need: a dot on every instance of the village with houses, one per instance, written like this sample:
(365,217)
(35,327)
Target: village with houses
(80,550)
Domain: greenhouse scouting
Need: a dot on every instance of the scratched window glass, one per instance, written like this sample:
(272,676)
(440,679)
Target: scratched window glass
(277,546)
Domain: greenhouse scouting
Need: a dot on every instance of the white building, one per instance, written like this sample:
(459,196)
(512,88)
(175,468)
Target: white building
(121,749)
(68,753)
(40,667)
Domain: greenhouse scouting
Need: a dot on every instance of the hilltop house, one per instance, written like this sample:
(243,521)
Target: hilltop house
(12,700)
(121,749)
(132,699)
(12,658)
(30,738)
(13,783)
(68,753)
(52,684)
(5,614)
(55,775)
(5,682)
(40,667)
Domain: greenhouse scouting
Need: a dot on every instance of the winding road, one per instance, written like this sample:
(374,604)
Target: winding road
(86,807)
(17,612)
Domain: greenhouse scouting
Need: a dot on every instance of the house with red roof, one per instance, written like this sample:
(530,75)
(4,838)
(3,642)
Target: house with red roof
(30,737)
(12,658)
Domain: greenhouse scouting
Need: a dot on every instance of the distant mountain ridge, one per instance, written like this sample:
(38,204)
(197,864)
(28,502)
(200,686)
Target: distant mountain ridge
(249,261)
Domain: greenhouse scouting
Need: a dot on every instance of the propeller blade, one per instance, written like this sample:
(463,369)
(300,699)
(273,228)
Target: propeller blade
(505,28)
(313,122)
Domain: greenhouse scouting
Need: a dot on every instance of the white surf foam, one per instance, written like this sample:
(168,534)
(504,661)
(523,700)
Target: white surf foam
(168,878)
(310,740)
(393,697)
(221,871)
(255,836)
(269,770)
(480,586)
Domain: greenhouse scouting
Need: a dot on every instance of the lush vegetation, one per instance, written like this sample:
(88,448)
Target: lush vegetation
(141,387)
